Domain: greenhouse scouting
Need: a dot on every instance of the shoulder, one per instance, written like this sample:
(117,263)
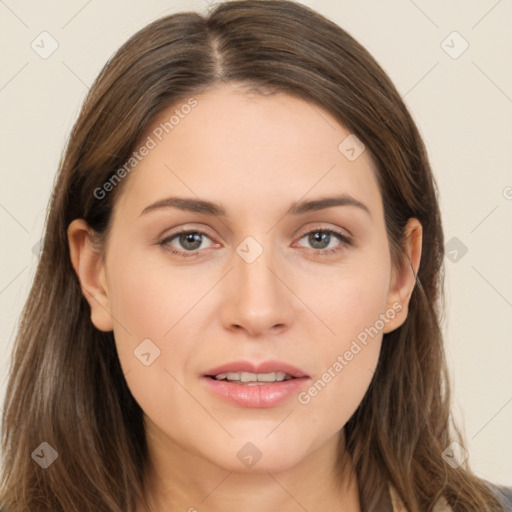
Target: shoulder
(503,492)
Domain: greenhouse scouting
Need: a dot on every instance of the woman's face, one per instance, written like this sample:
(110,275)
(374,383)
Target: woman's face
(278,285)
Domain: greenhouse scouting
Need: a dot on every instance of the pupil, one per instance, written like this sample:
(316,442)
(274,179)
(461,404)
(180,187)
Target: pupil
(319,238)
(191,238)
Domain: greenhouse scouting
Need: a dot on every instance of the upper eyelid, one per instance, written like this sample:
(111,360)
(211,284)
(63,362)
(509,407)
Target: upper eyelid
(335,231)
(339,231)
(305,232)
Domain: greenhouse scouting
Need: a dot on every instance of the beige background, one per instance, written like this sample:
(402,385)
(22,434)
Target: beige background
(463,108)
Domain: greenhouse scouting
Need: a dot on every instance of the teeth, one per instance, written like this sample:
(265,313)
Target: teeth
(247,377)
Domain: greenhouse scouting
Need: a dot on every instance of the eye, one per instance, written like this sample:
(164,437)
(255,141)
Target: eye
(326,241)
(189,242)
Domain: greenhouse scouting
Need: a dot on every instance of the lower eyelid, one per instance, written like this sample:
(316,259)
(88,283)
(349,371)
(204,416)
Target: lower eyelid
(341,237)
(343,242)
(168,239)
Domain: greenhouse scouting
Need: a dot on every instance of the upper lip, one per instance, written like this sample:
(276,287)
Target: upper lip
(263,367)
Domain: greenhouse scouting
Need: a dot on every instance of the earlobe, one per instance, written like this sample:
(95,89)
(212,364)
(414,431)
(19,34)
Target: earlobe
(404,278)
(90,270)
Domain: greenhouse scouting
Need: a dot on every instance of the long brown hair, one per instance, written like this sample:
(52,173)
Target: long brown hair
(66,386)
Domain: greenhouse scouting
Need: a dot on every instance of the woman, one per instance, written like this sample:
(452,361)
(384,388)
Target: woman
(237,303)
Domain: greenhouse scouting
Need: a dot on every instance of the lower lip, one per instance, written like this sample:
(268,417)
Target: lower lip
(260,395)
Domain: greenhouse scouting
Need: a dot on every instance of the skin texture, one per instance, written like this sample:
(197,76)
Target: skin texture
(255,155)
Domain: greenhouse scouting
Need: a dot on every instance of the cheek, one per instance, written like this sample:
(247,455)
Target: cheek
(149,307)
(345,361)
(149,297)
(349,298)
(150,336)
(353,306)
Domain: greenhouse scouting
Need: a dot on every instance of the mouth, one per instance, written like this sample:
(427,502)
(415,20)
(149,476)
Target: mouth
(255,385)
(252,379)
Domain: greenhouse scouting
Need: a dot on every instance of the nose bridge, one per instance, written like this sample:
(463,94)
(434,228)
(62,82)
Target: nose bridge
(257,299)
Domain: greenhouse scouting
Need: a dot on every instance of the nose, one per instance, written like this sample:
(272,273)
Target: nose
(256,298)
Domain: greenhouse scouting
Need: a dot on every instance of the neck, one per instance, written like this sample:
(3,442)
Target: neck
(179,480)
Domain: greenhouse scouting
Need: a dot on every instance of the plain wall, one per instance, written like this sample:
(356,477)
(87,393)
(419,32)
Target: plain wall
(461,103)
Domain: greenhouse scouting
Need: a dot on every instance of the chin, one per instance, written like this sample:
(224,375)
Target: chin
(271,455)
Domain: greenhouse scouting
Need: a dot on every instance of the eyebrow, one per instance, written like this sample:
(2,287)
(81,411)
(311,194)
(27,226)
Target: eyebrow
(215,209)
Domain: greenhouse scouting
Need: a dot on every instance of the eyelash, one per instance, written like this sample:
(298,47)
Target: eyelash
(345,241)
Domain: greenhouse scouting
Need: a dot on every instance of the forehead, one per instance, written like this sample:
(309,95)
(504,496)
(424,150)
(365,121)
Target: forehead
(246,151)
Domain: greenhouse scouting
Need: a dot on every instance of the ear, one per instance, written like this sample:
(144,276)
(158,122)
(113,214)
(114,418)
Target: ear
(89,266)
(403,279)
